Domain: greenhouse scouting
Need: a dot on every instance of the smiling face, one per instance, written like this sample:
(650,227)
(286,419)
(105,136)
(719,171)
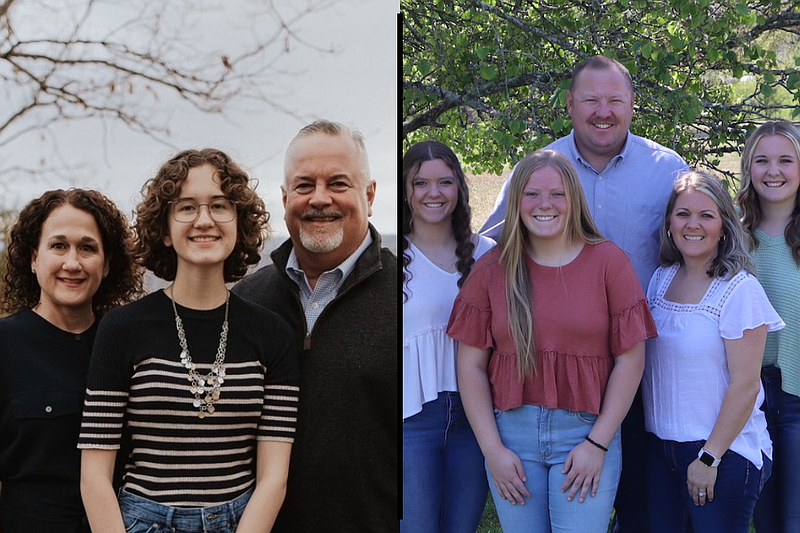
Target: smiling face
(600,103)
(69,262)
(433,193)
(696,226)
(544,206)
(203,243)
(328,199)
(775,170)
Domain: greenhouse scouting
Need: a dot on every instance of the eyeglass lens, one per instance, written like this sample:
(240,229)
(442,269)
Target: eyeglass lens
(187,210)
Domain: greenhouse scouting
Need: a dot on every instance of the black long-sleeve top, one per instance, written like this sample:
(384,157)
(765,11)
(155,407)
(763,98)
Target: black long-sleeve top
(42,381)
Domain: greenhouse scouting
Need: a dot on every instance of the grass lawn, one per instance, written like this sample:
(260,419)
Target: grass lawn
(490,523)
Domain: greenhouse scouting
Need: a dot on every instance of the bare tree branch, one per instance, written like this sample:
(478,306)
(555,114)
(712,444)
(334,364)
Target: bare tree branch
(127,61)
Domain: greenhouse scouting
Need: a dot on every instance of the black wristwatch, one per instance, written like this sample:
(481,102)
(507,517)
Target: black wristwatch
(708,458)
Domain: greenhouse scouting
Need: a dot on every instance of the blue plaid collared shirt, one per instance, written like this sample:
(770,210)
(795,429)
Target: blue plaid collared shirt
(328,284)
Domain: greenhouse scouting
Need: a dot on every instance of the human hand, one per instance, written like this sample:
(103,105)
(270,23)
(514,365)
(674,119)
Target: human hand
(508,475)
(583,467)
(700,479)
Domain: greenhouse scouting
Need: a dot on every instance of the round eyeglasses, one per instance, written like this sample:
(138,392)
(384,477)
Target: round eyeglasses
(188,209)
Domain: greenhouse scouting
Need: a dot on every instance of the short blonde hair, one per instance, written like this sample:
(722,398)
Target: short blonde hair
(335,129)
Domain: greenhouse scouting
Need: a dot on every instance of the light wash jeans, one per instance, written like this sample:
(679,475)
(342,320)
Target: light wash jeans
(444,483)
(542,438)
(141,515)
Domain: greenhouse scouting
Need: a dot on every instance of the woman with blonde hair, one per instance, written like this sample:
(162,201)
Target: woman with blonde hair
(709,451)
(770,208)
(551,327)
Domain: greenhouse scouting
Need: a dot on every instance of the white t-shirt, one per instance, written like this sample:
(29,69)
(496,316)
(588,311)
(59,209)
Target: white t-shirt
(686,369)
(429,365)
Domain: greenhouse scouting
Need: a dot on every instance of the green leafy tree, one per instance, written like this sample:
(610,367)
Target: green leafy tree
(490,77)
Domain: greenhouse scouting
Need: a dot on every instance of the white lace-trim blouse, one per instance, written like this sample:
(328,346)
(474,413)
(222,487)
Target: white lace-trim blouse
(428,353)
(686,371)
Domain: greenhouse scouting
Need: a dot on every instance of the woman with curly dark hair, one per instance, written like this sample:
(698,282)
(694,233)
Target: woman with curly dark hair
(444,483)
(198,383)
(68,261)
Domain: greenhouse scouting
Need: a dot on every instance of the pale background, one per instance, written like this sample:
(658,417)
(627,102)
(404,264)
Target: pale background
(356,85)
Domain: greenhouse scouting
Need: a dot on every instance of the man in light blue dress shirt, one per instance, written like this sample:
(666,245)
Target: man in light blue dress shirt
(627,180)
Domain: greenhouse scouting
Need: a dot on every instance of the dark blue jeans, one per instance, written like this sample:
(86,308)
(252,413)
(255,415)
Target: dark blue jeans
(444,481)
(671,508)
(778,507)
(631,501)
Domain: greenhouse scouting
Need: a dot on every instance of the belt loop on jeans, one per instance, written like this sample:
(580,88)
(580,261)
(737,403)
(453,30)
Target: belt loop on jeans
(771,373)
(168,518)
(231,505)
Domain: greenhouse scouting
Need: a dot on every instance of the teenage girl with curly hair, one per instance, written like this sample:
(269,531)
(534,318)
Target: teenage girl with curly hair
(199,384)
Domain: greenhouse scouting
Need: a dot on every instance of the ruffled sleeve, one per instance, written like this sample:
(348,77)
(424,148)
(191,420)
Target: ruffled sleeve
(630,318)
(471,318)
(630,326)
(746,306)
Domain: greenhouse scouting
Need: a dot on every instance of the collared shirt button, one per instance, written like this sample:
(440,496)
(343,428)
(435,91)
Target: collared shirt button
(599,206)
(315,305)
(48,409)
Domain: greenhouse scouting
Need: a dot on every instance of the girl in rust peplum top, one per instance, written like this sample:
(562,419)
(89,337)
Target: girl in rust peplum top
(551,327)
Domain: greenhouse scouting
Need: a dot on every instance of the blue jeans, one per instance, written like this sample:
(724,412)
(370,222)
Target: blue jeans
(140,515)
(631,501)
(671,508)
(542,438)
(778,507)
(444,483)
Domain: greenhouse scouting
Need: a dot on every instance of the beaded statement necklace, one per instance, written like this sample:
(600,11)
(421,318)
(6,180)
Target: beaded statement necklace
(206,389)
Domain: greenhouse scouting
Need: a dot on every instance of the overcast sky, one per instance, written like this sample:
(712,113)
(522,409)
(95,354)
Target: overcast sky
(356,85)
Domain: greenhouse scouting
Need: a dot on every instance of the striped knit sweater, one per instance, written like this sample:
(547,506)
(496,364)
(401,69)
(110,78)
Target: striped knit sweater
(138,398)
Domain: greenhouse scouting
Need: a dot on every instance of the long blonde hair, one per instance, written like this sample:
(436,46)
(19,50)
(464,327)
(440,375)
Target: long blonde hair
(580,227)
(748,199)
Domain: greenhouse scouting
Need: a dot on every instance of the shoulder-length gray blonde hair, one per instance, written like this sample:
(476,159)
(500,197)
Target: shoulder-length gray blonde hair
(514,243)
(732,249)
(748,199)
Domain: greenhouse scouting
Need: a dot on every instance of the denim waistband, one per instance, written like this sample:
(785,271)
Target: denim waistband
(183,518)
(770,371)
